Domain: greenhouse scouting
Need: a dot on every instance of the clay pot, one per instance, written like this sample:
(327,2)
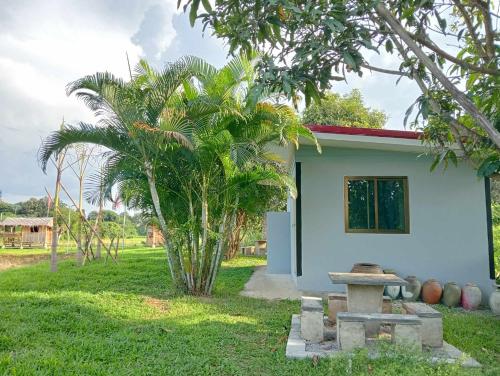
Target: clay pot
(495,301)
(392,291)
(431,291)
(411,292)
(451,294)
(471,297)
(366,267)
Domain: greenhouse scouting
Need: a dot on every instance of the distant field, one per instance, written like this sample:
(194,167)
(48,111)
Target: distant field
(68,247)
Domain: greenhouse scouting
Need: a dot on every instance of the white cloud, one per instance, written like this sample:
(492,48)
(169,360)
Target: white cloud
(45,45)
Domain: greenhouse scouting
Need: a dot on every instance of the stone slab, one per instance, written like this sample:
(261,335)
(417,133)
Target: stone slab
(390,318)
(311,303)
(367,279)
(421,310)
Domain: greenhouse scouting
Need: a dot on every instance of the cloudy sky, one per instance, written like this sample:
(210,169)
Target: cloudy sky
(46,44)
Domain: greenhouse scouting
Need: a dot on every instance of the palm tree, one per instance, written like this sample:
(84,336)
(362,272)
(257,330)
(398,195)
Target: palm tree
(131,123)
(184,144)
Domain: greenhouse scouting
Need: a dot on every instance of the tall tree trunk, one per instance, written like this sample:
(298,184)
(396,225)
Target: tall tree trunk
(456,93)
(235,235)
(204,236)
(55,226)
(161,220)
(217,257)
(79,251)
(98,228)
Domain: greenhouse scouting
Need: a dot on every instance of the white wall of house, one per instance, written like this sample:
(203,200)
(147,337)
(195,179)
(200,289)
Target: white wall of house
(448,226)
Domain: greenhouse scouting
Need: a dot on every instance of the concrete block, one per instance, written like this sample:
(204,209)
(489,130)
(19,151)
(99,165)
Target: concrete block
(432,323)
(311,319)
(407,336)
(249,251)
(336,303)
(432,331)
(350,335)
(366,299)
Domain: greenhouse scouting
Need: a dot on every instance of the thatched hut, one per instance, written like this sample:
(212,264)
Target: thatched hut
(26,232)
(154,236)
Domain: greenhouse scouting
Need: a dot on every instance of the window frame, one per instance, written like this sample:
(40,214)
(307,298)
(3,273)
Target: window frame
(376,230)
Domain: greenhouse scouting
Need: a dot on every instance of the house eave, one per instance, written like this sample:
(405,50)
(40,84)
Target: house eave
(368,142)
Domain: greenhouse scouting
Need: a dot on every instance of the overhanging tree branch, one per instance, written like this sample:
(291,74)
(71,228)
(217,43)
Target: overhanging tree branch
(425,41)
(383,70)
(458,95)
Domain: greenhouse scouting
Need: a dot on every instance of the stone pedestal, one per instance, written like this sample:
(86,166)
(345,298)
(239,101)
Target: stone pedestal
(432,322)
(350,335)
(407,336)
(366,299)
(311,319)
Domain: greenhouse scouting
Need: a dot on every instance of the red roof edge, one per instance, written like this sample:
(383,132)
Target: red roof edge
(392,133)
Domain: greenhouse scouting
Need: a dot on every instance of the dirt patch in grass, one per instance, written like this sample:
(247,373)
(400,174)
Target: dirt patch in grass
(8,261)
(160,305)
(11,261)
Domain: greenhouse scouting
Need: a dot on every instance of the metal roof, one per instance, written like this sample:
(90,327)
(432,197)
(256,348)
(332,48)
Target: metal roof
(19,221)
(392,133)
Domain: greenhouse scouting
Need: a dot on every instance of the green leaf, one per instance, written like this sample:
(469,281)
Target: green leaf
(207,6)
(388,46)
(349,60)
(193,12)
(334,25)
(407,113)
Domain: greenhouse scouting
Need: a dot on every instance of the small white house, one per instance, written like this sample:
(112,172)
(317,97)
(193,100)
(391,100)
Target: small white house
(371,197)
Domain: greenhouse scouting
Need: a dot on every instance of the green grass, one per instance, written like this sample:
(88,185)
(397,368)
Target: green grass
(68,247)
(496,242)
(125,319)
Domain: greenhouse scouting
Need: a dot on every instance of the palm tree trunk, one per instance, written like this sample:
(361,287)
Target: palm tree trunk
(161,220)
(204,239)
(217,256)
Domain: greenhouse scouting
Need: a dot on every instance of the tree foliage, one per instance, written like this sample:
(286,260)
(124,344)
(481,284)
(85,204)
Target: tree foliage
(450,49)
(347,110)
(192,146)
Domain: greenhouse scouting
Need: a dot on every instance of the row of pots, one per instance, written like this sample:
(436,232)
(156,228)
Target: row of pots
(431,291)
(451,295)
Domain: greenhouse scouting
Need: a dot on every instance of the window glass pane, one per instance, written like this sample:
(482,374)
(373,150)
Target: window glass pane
(361,204)
(391,204)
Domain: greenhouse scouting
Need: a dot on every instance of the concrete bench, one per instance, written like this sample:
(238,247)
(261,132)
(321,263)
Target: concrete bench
(432,322)
(248,250)
(351,333)
(337,302)
(311,319)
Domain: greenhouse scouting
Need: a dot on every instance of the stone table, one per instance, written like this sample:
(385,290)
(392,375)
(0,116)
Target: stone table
(365,292)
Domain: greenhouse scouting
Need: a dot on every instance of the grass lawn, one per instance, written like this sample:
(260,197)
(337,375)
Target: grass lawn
(67,247)
(126,320)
